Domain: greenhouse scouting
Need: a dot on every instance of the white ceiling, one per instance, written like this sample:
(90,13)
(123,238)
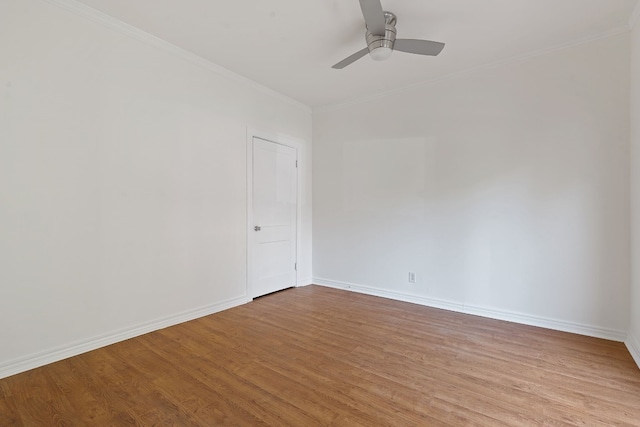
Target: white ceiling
(290,45)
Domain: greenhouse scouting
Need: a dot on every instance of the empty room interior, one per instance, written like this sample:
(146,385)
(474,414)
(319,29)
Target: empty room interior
(329,212)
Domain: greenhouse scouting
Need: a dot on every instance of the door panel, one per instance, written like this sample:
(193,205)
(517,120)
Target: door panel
(274,201)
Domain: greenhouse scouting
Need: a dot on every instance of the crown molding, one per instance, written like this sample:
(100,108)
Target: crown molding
(635,16)
(470,71)
(94,15)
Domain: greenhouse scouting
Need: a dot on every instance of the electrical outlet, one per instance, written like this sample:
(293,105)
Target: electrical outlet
(412,277)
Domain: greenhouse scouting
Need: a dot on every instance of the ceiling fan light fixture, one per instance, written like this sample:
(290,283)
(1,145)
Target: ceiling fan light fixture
(380,53)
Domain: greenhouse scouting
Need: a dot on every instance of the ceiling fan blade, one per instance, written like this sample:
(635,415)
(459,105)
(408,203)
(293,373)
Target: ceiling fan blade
(351,59)
(373,16)
(420,47)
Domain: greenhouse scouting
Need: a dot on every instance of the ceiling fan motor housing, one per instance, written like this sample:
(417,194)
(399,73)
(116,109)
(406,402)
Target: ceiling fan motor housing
(380,46)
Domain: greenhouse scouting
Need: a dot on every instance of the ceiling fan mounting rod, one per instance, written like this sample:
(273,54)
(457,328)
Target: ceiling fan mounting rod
(390,18)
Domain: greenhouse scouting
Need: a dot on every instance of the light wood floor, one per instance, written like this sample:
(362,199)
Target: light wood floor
(318,356)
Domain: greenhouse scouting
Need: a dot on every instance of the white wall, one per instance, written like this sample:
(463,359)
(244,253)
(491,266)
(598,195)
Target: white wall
(506,190)
(122,183)
(633,341)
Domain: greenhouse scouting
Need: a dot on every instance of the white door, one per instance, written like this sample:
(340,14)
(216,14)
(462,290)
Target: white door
(272,264)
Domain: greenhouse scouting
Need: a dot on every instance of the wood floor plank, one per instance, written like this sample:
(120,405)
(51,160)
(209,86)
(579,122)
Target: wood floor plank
(87,409)
(37,400)
(319,356)
(9,415)
(226,379)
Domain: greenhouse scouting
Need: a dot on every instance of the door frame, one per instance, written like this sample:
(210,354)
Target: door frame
(288,142)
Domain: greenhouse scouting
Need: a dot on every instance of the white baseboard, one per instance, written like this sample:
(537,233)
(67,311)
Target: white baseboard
(32,361)
(399,296)
(633,345)
(525,319)
(304,281)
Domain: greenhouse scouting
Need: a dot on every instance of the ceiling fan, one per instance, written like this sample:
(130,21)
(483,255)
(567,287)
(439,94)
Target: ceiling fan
(381,37)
